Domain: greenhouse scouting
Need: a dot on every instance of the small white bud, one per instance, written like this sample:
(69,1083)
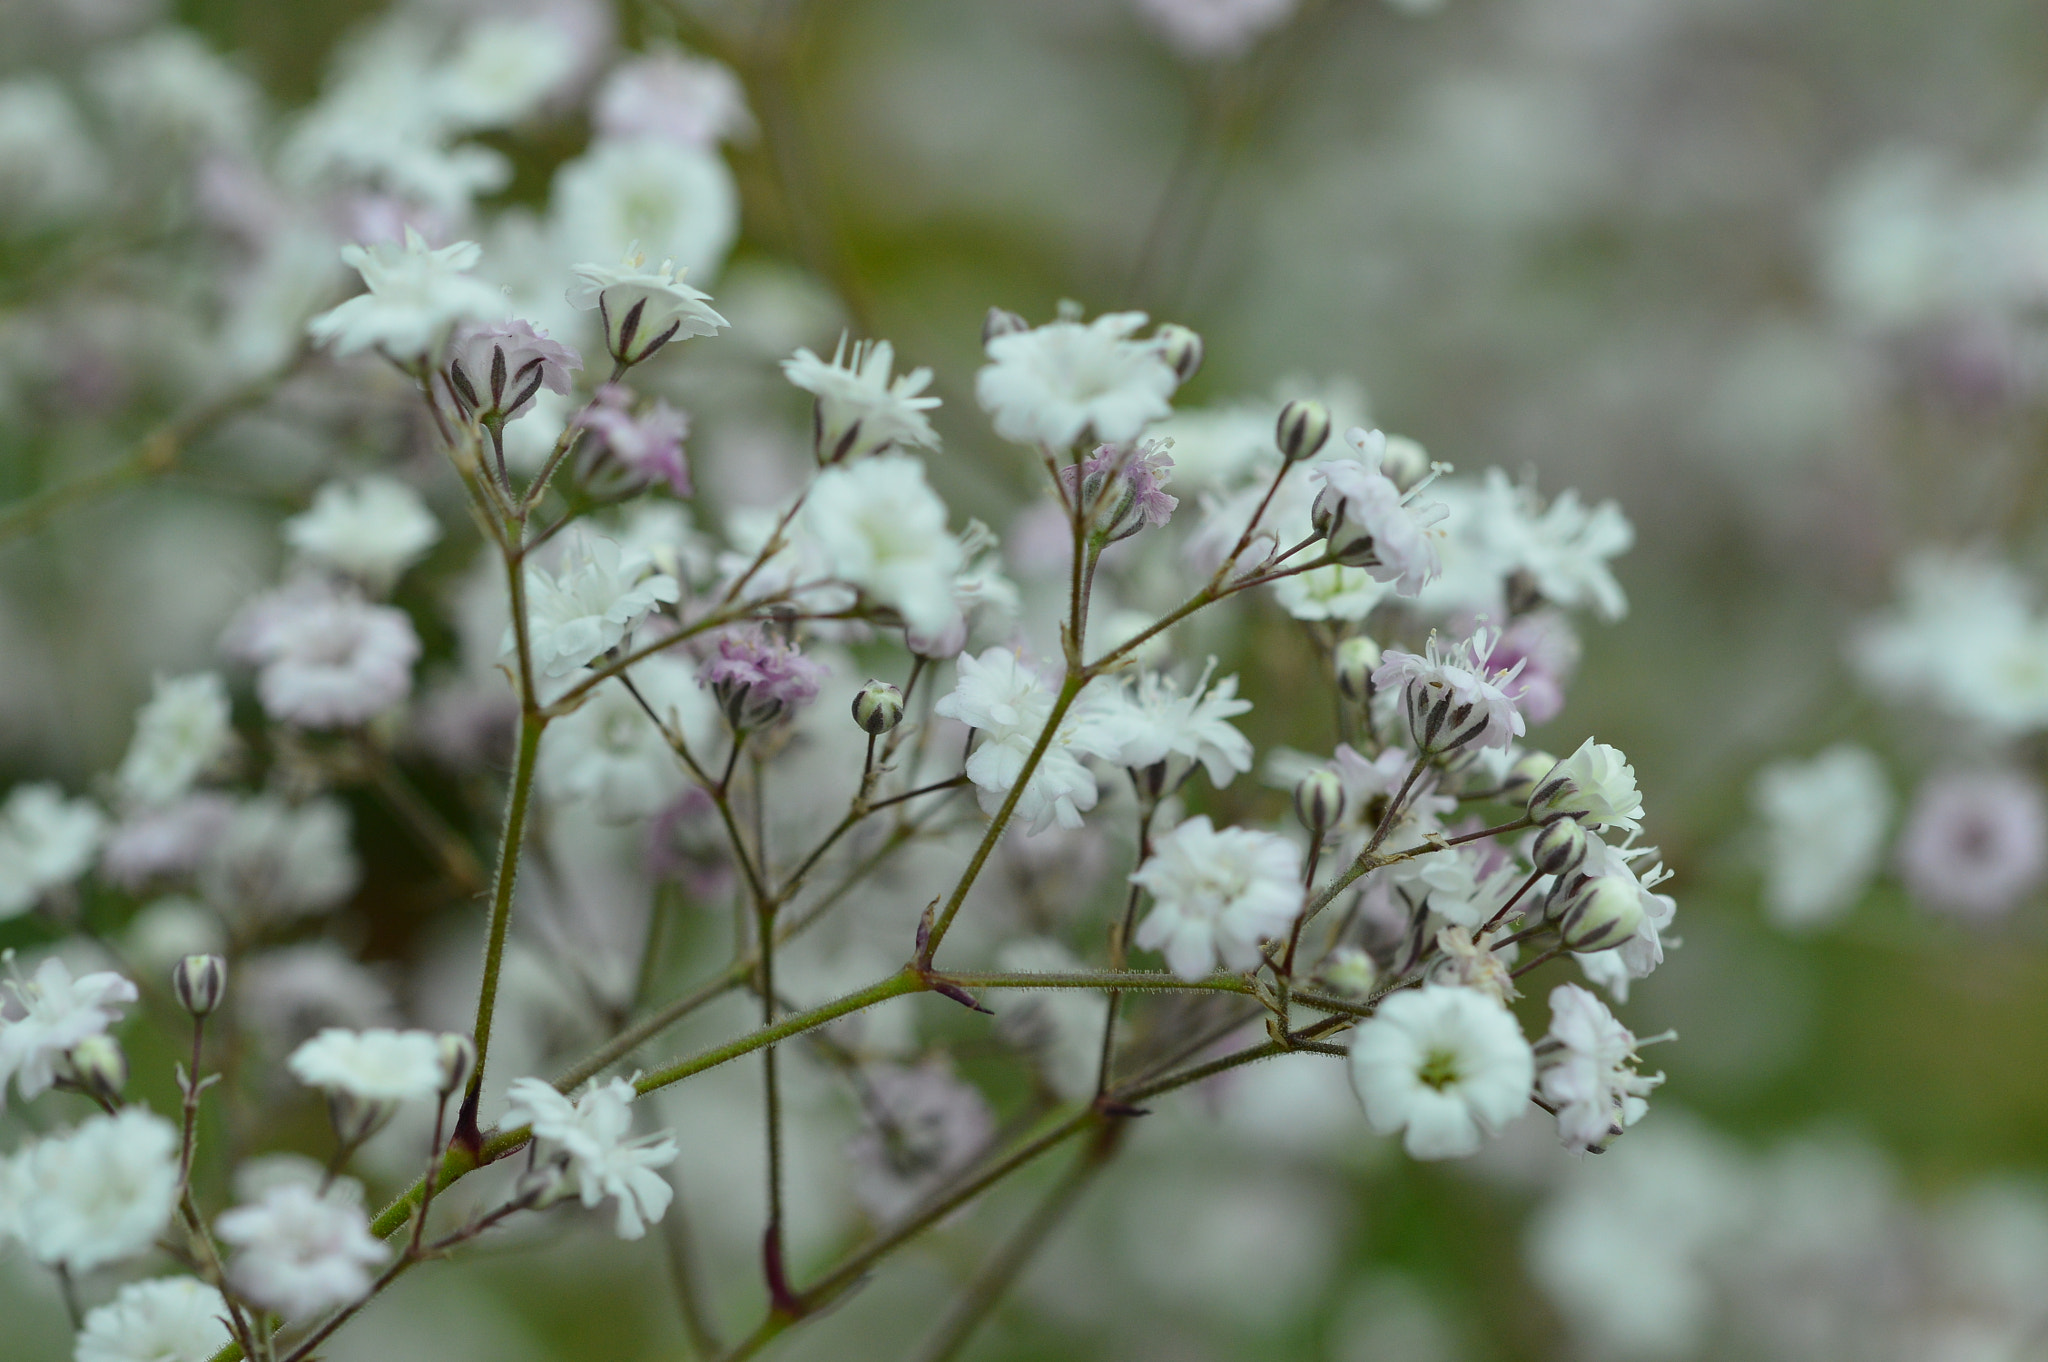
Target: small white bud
(1602,912)
(199,982)
(877,707)
(1404,462)
(1303,428)
(1319,800)
(1181,348)
(98,1066)
(1356,659)
(1523,776)
(458,1054)
(1560,847)
(1350,972)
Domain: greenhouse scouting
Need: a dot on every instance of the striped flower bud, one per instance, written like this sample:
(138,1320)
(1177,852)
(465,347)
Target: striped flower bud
(1303,428)
(877,707)
(1319,800)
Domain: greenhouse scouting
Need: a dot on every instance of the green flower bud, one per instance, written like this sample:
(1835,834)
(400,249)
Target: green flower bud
(1303,428)
(1560,847)
(98,1067)
(1601,913)
(1404,462)
(1319,800)
(1349,972)
(458,1055)
(1181,348)
(1357,658)
(877,707)
(1523,776)
(199,981)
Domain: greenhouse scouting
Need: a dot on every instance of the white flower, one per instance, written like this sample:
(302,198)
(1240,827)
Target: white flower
(95,1194)
(1452,695)
(592,1132)
(1595,785)
(153,842)
(609,751)
(1010,703)
(1464,885)
(1586,1070)
(881,528)
(1049,385)
(299,1252)
(1975,841)
(502,71)
(1150,721)
(643,309)
(168,1319)
(168,88)
(1964,638)
(57,1012)
(1478,965)
(46,840)
(183,730)
(372,530)
(1369,523)
(1445,1064)
(1331,592)
(859,410)
(1215,29)
(415,296)
(1561,551)
(921,1126)
(327,658)
(374,1066)
(1824,822)
(678,200)
(686,100)
(1216,895)
(1640,955)
(277,859)
(600,593)
(50,167)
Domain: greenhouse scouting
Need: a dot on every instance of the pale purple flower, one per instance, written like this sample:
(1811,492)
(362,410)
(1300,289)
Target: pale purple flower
(152,843)
(758,678)
(686,100)
(1126,486)
(496,368)
(1976,842)
(328,658)
(1368,523)
(922,1126)
(1453,694)
(648,446)
(1214,29)
(1547,648)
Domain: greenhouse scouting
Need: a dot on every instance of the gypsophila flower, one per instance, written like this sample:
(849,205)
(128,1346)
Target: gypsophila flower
(46,841)
(1216,895)
(643,309)
(758,678)
(1123,488)
(376,1066)
(299,1252)
(1975,842)
(1964,637)
(1331,592)
(1595,785)
(626,190)
(1010,704)
(608,751)
(1474,964)
(180,734)
(859,409)
(1636,958)
(56,1013)
(327,658)
(372,529)
(1218,30)
(600,593)
(275,859)
(691,101)
(1151,723)
(95,1194)
(1585,1069)
(1560,552)
(1824,822)
(592,1133)
(167,1319)
(920,1126)
(1445,1065)
(1369,523)
(153,843)
(645,448)
(881,528)
(1452,694)
(1050,385)
(415,296)
(496,369)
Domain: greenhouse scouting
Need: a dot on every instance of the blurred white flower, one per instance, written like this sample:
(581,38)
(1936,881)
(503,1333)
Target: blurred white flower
(1216,895)
(1446,1065)
(46,840)
(679,202)
(1975,842)
(881,528)
(599,594)
(152,843)
(327,657)
(276,859)
(592,1131)
(167,86)
(371,529)
(502,70)
(94,1194)
(1049,385)
(859,409)
(57,1012)
(1332,592)
(375,1066)
(50,168)
(691,101)
(298,1252)
(181,732)
(1824,822)
(1215,29)
(920,1126)
(1585,1069)
(1562,550)
(609,751)
(284,995)
(1964,637)
(415,296)
(166,1319)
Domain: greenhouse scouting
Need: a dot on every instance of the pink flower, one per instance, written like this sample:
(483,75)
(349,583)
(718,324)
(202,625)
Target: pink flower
(1127,486)
(647,446)
(1976,842)
(757,678)
(497,367)
(1548,650)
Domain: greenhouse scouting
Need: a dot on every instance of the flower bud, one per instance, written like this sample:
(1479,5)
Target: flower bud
(1303,428)
(1560,847)
(98,1067)
(1001,322)
(458,1054)
(1404,462)
(199,981)
(1319,800)
(1349,972)
(877,707)
(1356,659)
(1602,912)
(1180,348)
(1523,776)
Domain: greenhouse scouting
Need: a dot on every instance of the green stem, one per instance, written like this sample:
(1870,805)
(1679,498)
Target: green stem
(905,980)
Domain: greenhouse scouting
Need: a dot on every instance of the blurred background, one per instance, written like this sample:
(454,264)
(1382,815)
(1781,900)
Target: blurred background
(1774,277)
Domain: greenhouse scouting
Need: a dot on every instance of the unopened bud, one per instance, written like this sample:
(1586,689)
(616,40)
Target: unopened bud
(1303,428)
(1357,658)
(199,981)
(877,707)
(1602,912)
(98,1066)
(1350,972)
(1404,462)
(1319,800)
(1181,348)
(1522,777)
(1556,796)
(1001,322)
(1560,847)
(458,1054)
